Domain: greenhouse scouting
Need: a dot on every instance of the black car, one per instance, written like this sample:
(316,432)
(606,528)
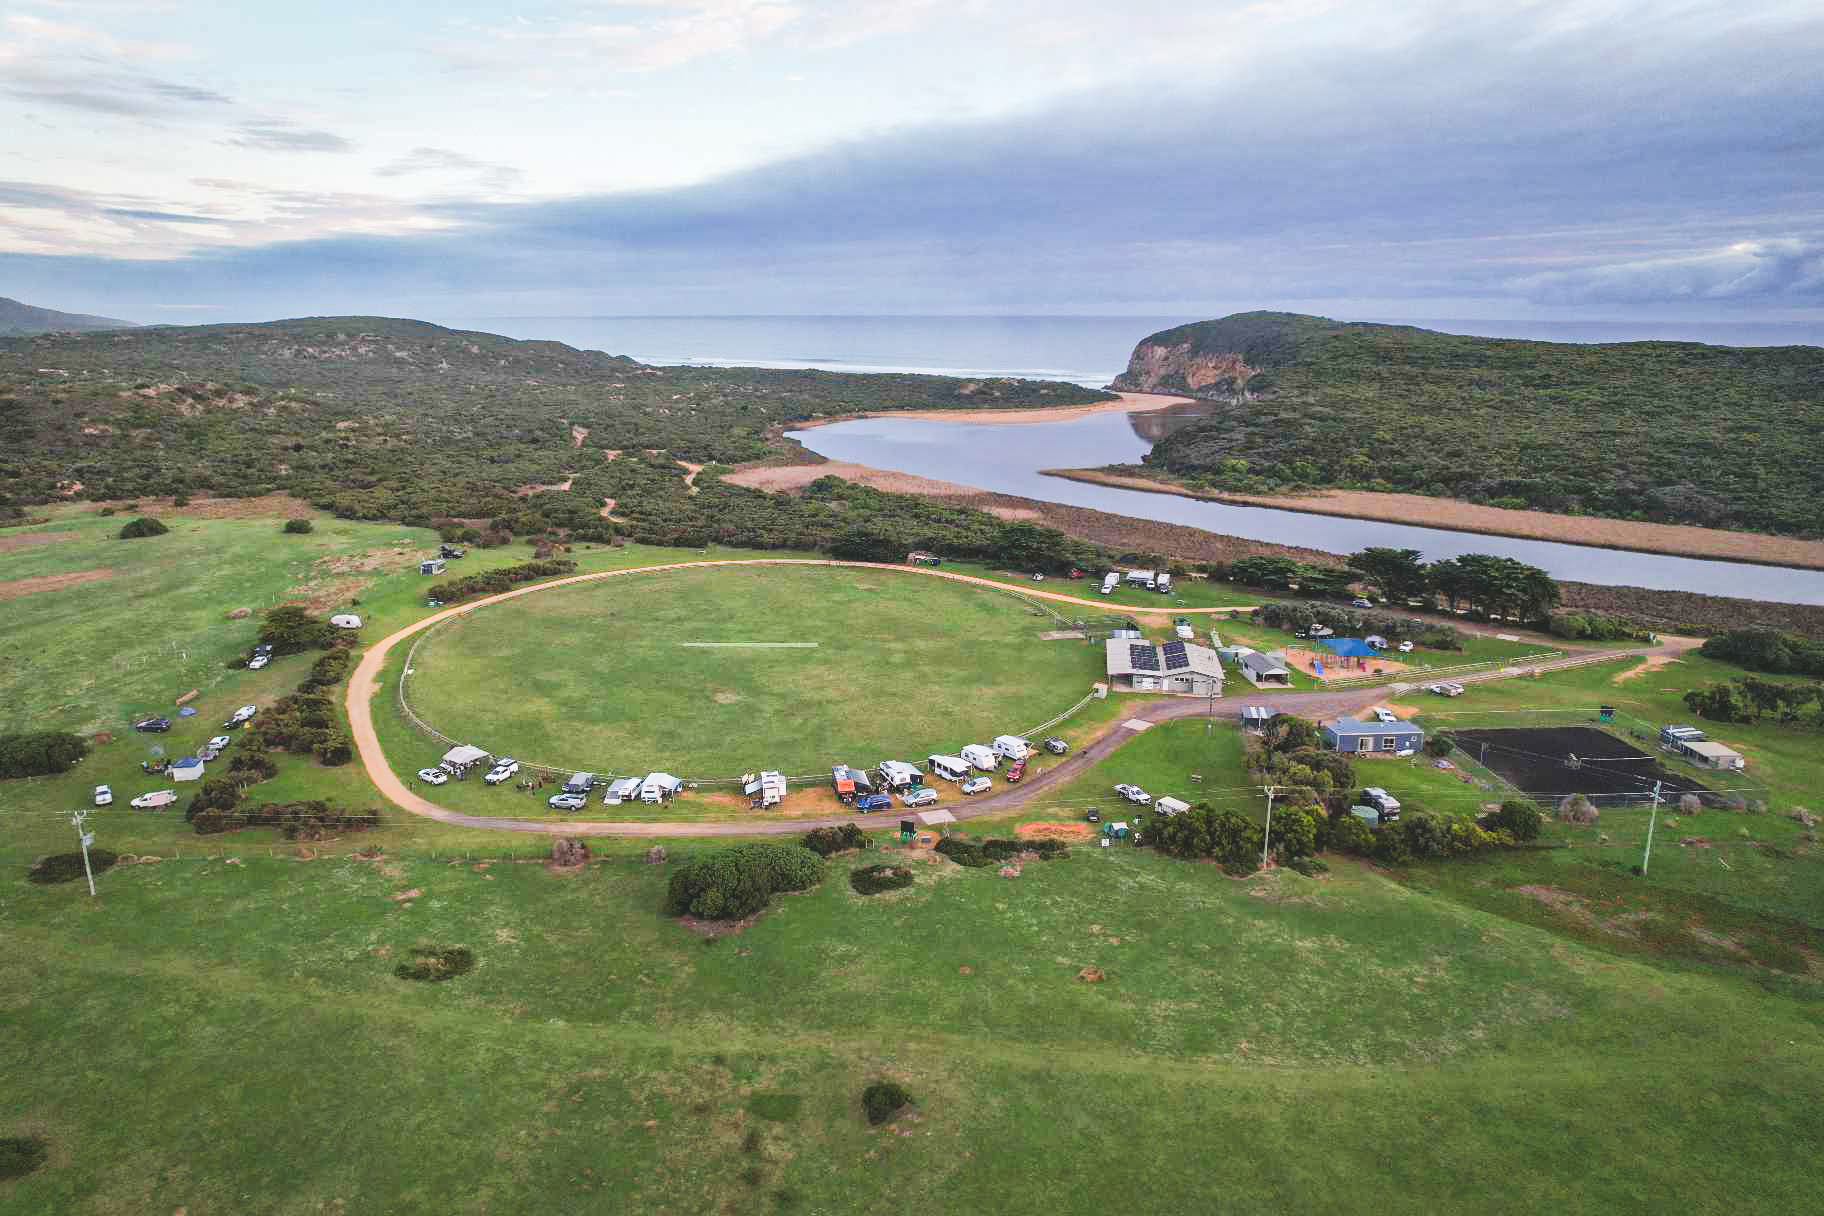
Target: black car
(1092,816)
(159,725)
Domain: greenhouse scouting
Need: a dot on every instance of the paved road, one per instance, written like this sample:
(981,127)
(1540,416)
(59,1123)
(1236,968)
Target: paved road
(364,685)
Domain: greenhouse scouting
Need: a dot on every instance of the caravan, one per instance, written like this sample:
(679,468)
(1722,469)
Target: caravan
(951,768)
(659,786)
(897,774)
(1143,578)
(621,789)
(764,789)
(981,756)
(1012,747)
(1163,584)
(1110,581)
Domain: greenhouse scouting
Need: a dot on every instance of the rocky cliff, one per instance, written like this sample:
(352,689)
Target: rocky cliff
(1223,360)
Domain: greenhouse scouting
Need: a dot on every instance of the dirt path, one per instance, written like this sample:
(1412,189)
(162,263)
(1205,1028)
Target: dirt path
(364,685)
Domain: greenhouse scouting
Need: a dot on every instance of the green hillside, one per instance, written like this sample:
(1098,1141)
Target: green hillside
(18,319)
(380,418)
(1668,431)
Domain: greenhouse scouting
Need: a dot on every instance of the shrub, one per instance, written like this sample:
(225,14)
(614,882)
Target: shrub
(67,867)
(1519,818)
(873,880)
(290,629)
(436,965)
(216,794)
(825,841)
(308,820)
(1577,809)
(1437,747)
(299,527)
(1004,850)
(1311,867)
(883,1099)
(106,511)
(731,884)
(145,525)
(180,500)
(20,1155)
(1349,834)
(334,751)
(40,754)
(964,852)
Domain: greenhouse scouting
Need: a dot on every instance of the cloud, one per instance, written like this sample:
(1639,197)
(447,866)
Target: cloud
(277,135)
(640,37)
(487,174)
(164,217)
(1760,271)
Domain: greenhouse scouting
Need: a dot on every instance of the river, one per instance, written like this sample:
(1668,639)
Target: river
(1006,459)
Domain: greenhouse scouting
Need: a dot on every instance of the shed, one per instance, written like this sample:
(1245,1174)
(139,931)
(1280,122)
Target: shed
(432,565)
(933,819)
(1254,717)
(1712,755)
(1265,670)
(621,789)
(462,758)
(190,768)
(1176,666)
(1170,806)
(1355,735)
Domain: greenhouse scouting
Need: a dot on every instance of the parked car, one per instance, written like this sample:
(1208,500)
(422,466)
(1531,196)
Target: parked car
(154,800)
(1016,771)
(1038,578)
(567,802)
(1385,716)
(1092,816)
(1405,647)
(433,776)
(1056,746)
(923,795)
(874,802)
(103,796)
(1362,602)
(1382,801)
(503,768)
(243,714)
(1134,794)
(154,725)
(219,743)
(206,754)
(258,661)
(1182,627)
(977,785)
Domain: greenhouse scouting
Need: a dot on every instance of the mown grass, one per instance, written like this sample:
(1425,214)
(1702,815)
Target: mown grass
(595,676)
(246,1047)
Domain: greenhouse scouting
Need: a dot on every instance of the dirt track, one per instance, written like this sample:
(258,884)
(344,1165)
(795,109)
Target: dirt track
(364,685)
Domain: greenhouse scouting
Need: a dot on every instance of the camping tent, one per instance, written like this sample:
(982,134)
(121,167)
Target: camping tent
(187,769)
(659,786)
(462,758)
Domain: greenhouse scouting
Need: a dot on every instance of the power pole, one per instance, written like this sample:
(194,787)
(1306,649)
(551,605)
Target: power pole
(87,838)
(1651,820)
(1266,837)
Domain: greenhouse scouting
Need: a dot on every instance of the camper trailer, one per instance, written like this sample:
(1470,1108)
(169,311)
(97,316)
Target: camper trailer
(897,774)
(1110,581)
(659,786)
(580,783)
(950,768)
(1162,584)
(1012,747)
(850,783)
(1171,806)
(621,789)
(981,756)
(764,789)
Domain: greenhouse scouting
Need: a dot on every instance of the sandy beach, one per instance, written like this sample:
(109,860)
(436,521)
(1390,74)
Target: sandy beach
(1130,403)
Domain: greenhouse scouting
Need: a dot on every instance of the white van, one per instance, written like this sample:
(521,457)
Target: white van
(981,756)
(951,768)
(1012,747)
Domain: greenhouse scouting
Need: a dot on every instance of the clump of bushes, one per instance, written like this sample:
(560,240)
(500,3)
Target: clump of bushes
(979,853)
(20,1155)
(1518,818)
(884,1099)
(327,672)
(491,581)
(436,965)
(308,820)
(289,629)
(67,867)
(874,880)
(40,754)
(1577,809)
(964,852)
(731,884)
(825,841)
(299,527)
(1311,867)
(145,525)
(1230,837)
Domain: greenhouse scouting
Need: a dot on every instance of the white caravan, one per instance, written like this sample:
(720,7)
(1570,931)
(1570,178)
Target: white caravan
(897,774)
(1163,583)
(621,789)
(982,756)
(1012,747)
(951,768)
(659,786)
(1110,581)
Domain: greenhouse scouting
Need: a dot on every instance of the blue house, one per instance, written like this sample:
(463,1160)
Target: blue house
(1354,735)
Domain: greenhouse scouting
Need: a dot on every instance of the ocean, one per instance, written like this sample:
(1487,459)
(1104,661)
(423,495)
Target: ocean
(1082,350)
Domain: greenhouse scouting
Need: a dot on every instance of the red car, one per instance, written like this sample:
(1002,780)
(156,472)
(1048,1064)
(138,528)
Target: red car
(1015,771)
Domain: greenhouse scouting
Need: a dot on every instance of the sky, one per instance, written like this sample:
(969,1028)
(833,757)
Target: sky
(182,161)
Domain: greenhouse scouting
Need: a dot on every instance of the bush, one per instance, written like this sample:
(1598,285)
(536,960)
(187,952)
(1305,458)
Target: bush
(1577,809)
(1311,867)
(216,794)
(20,1155)
(732,884)
(67,867)
(1006,850)
(299,527)
(872,880)
(143,526)
(1349,834)
(883,1099)
(1437,747)
(1518,818)
(334,751)
(309,820)
(964,852)
(437,965)
(290,629)
(41,754)
(825,841)
(493,581)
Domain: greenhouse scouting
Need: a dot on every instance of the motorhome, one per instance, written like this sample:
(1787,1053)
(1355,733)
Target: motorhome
(1012,747)
(897,774)
(981,755)
(1162,584)
(1110,581)
(951,768)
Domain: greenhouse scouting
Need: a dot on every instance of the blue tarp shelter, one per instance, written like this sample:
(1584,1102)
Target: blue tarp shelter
(1350,648)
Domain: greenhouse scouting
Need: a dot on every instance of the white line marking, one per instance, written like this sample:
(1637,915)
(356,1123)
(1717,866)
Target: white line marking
(772,645)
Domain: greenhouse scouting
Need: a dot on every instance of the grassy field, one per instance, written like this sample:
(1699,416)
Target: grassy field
(243,1046)
(1186,592)
(598,676)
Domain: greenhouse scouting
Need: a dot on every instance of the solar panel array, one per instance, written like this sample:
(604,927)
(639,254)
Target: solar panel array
(1142,657)
(1175,658)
